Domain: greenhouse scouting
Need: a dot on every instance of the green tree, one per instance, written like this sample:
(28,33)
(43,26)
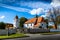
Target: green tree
(22,21)
(2,25)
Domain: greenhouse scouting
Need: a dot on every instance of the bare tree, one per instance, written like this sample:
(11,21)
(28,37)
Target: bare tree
(53,13)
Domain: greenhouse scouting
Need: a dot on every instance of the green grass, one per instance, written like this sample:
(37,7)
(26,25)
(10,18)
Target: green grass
(50,33)
(13,36)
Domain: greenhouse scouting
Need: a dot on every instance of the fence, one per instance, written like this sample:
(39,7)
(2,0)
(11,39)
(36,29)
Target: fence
(54,30)
(37,30)
(5,32)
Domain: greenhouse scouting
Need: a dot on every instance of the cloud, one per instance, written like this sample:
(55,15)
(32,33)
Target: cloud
(43,15)
(55,3)
(2,17)
(37,7)
(28,3)
(15,8)
(36,11)
(46,10)
(34,5)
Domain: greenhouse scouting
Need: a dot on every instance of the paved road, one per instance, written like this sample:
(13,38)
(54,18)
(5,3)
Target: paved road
(38,37)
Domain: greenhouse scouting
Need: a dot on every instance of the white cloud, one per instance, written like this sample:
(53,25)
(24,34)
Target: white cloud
(34,4)
(15,8)
(36,11)
(2,17)
(46,10)
(55,3)
(43,15)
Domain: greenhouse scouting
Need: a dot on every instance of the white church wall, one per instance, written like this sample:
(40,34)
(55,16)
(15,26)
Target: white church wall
(16,23)
(30,25)
(25,25)
(43,25)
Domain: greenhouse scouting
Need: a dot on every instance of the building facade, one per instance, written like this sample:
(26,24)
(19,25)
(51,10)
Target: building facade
(35,23)
(16,22)
(9,25)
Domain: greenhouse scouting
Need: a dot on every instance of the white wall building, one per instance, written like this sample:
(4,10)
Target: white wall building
(29,25)
(43,25)
(16,22)
(35,23)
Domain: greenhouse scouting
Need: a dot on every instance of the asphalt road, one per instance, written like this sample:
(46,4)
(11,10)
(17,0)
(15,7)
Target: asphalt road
(38,37)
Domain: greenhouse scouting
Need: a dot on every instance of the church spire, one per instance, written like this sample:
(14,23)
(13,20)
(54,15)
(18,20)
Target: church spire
(16,22)
(16,17)
(36,19)
(36,16)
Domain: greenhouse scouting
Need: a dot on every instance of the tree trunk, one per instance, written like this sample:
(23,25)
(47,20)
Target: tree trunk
(55,25)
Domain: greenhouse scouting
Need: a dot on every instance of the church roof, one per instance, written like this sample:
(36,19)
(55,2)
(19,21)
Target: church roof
(36,21)
(33,20)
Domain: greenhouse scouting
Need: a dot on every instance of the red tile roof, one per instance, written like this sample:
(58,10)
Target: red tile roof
(33,20)
(40,19)
(36,21)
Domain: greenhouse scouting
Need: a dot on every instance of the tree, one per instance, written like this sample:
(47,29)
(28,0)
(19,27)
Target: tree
(22,21)
(46,22)
(53,13)
(2,25)
(50,27)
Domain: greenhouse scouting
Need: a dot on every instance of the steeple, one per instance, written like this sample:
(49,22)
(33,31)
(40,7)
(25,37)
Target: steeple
(36,16)
(36,19)
(16,17)
(16,22)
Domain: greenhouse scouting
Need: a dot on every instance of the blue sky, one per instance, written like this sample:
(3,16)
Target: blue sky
(23,8)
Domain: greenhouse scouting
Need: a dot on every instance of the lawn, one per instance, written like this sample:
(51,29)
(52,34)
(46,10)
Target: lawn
(50,33)
(13,36)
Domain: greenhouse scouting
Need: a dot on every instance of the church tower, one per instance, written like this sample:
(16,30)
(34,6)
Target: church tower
(16,22)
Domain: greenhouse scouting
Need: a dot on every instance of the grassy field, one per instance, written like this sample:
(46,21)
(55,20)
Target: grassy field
(13,36)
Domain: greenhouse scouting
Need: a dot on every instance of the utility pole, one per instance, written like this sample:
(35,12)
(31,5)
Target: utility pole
(8,31)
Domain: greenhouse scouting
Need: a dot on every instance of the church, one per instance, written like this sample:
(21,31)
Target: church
(14,25)
(38,22)
(16,22)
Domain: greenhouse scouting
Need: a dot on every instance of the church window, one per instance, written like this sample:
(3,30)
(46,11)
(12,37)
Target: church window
(31,24)
(27,24)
